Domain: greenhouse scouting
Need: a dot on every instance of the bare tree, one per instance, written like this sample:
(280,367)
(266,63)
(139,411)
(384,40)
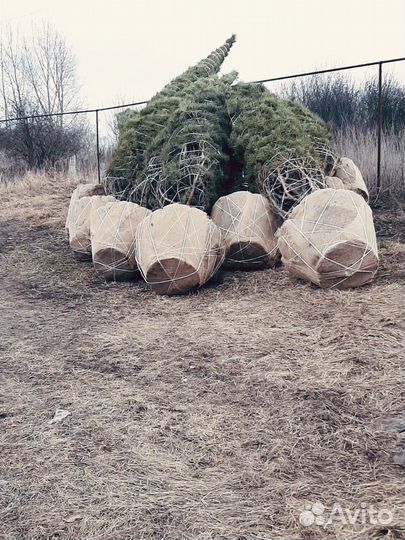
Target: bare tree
(37,76)
(37,73)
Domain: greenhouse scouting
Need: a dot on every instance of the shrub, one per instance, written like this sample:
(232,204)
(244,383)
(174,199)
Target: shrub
(342,103)
(41,142)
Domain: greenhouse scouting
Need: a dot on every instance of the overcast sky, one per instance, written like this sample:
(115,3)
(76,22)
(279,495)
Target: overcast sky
(129,49)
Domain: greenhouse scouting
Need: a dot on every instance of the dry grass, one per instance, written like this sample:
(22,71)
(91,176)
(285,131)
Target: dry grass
(361,146)
(214,415)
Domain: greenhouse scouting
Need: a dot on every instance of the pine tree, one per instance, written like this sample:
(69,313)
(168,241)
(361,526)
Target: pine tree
(192,153)
(143,134)
(273,140)
(208,67)
(203,136)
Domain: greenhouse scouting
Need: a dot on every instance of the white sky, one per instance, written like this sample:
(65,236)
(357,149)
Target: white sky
(128,49)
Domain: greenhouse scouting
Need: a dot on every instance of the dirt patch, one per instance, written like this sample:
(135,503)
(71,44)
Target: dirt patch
(219,414)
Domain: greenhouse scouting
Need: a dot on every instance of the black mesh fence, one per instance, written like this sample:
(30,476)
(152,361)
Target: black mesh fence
(363,103)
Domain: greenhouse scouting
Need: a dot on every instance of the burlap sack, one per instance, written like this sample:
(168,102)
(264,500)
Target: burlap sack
(248,226)
(83,190)
(79,224)
(112,232)
(177,249)
(329,239)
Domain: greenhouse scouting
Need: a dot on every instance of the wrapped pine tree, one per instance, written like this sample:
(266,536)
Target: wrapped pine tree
(137,131)
(189,162)
(141,168)
(279,148)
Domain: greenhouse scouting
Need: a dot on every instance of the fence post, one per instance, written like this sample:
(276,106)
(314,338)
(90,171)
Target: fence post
(379,126)
(98,149)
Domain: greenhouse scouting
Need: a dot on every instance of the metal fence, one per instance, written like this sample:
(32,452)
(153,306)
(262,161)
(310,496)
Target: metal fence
(379,106)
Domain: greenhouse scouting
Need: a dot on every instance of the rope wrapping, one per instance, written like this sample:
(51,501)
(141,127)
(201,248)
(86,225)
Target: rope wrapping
(82,190)
(329,239)
(248,226)
(79,224)
(178,248)
(112,233)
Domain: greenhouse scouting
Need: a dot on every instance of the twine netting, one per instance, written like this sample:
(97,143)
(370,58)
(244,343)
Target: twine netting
(82,190)
(154,161)
(288,184)
(193,165)
(113,228)
(79,223)
(248,228)
(351,177)
(330,240)
(178,248)
(186,171)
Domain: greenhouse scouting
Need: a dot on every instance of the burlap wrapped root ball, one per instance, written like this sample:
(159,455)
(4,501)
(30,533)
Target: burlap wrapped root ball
(329,239)
(178,248)
(348,176)
(248,226)
(82,190)
(79,224)
(112,233)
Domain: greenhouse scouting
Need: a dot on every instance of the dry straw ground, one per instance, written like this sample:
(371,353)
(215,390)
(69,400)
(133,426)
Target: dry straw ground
(216,415)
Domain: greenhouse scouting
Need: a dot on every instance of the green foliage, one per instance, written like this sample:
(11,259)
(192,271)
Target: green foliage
(208,67)
(267,128)
(141,135)
(194,146)
(203,136)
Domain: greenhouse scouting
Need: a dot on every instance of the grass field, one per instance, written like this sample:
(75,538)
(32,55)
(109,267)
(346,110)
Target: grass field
(216,415)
